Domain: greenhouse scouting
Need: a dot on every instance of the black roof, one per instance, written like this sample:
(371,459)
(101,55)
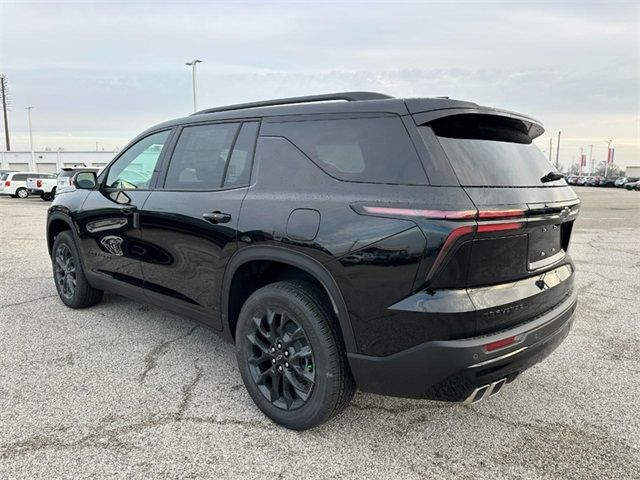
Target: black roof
(423,109)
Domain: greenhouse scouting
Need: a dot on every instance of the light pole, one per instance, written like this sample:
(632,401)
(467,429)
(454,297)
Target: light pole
(33,156)
(193,64)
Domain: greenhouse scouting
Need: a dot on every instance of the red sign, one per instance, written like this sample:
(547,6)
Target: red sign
(610,155)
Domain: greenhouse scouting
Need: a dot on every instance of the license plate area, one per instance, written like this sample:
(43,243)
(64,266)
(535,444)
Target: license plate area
(545,246)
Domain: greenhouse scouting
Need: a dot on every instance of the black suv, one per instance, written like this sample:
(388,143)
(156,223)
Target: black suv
(407,247)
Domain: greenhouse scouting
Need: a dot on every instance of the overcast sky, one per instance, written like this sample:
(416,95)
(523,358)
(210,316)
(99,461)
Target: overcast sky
(104,71)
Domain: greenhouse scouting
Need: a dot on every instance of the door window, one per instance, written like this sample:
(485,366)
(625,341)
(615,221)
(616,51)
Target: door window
(134,168)
(239,169)
(199,159)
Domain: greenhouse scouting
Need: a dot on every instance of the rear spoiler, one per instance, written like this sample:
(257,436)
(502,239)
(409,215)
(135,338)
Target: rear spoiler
(421,117)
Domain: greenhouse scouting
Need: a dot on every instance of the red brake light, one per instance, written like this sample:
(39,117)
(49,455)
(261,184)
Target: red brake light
(498,344)
(433,214)
(7,183)
(498,227)
(509,213)
(38,183)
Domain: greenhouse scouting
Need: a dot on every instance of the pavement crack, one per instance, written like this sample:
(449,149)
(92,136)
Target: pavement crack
(27,301)
(187,390)
(157,352)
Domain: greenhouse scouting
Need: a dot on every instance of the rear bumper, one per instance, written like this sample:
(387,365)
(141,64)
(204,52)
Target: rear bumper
(451,370)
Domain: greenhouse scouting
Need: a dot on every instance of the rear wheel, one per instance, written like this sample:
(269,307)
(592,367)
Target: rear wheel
(72,286)
(46,196)
(291,356)
(22,193)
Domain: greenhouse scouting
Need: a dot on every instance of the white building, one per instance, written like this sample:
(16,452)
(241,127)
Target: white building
(632,171)
(52,161)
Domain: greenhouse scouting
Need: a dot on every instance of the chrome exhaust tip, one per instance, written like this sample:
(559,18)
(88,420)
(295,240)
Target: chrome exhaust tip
(485,391)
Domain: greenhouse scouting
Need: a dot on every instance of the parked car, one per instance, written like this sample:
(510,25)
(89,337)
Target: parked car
(608,181)
(328,265)
(630,180)
(44,185)
(581,181)
(591,181)
(571,179)
(66,174)
(620,182)
(15,184)
(632,185)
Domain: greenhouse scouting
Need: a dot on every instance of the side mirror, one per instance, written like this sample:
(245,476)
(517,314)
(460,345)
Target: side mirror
(85,180)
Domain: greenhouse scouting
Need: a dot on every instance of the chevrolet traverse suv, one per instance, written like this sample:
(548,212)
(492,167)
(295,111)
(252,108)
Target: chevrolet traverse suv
(406,247)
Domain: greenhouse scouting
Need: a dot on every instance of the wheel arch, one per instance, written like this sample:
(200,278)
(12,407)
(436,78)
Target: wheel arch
(55,225)
(293,259)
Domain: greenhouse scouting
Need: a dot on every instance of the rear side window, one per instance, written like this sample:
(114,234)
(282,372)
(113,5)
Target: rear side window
(4,176)
(371,150)
(20,177)
(486,150)
(199,159)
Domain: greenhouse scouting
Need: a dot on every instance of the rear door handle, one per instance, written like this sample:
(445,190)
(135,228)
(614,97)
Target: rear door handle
(216,217)
(128,209)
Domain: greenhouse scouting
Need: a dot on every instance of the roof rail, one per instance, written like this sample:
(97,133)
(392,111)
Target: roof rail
(348,96)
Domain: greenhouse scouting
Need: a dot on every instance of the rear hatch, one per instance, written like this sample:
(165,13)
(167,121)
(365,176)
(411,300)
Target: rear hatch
(523,223)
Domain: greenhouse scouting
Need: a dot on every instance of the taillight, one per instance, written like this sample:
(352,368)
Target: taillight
(499,227)
(39,183)
(432,214)
(7,183)
(510,213)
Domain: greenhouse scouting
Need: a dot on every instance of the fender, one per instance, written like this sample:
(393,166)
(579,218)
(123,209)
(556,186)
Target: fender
(60,214)
(295,259)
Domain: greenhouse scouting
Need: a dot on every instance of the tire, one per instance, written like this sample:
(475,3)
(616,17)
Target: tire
(46,197)
(22,193)
(72,285)
(291,357)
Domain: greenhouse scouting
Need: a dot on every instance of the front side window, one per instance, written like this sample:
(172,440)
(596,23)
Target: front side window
(199,159)
(134,168)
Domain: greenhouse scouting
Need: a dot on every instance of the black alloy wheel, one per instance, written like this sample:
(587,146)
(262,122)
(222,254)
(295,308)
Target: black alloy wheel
(291,355)
(280,359)
(65,271)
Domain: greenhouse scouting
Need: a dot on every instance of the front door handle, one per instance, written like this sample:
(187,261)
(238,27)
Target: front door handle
(216,217)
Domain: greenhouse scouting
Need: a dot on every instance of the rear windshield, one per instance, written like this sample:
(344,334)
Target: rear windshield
(489,151)
(4,176)
(372,150)
(66,173)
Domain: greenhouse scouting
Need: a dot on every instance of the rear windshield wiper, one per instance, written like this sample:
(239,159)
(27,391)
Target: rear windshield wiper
(551,176)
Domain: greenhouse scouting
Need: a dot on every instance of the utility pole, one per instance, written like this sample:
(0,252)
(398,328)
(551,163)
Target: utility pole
(3,95)
(590,159)
(558,150)
(193,64)
(550,147)
(33,155)
(606,163)
(580,161)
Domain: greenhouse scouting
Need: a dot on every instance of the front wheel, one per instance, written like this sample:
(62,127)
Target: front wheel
(22,193)
(291,357)
(73,288)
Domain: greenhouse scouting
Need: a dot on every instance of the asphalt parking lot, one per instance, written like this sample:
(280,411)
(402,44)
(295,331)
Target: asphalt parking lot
(124,389)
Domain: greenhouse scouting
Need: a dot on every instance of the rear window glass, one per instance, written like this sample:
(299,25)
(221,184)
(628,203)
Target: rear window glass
(66,173)
(4,176)
(371,150)
(491,152)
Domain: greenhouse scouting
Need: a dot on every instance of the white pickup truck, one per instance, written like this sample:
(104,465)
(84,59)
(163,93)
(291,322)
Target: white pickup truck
(44,185)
